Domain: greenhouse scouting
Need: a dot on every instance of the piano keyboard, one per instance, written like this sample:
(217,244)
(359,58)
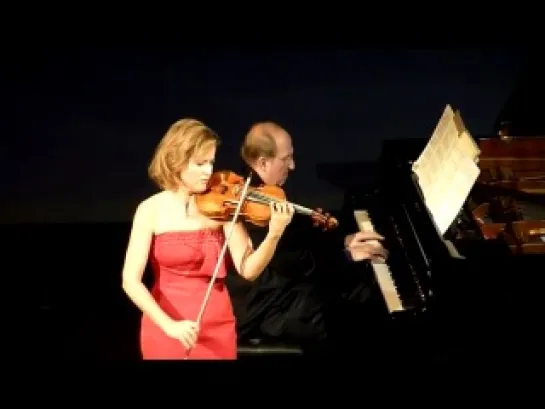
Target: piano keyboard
(382,271)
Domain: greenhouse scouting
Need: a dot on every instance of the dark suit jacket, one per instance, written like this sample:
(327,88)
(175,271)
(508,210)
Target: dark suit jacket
(290,299)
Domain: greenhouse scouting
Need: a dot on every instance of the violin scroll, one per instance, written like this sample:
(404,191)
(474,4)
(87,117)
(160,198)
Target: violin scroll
(323,219)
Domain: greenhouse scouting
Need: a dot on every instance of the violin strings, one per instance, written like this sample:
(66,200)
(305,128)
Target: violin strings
(252,199)
(264,199)
(267,199)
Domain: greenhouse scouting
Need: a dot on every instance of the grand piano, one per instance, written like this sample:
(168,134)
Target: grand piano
(479,283)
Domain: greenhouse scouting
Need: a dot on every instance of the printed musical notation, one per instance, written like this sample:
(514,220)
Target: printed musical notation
(447,168)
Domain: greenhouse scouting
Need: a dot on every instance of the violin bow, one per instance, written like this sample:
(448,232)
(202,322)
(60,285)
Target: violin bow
(222,253)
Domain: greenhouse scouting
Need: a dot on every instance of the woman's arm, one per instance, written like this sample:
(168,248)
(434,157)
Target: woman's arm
(136,259)
(250,263)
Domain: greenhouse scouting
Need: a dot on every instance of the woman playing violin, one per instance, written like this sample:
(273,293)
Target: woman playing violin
(183,247)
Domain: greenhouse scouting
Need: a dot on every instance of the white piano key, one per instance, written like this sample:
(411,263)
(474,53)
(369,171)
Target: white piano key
(381,269)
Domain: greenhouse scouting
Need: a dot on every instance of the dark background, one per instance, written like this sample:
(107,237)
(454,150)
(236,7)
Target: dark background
(87,122)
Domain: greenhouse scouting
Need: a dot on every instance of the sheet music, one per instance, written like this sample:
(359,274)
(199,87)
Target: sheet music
(447,169)
(466,143)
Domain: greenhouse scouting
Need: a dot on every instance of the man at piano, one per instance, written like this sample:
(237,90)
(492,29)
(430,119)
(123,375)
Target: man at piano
(291,301)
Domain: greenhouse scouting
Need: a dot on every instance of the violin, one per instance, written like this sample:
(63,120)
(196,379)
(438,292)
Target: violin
(220,199)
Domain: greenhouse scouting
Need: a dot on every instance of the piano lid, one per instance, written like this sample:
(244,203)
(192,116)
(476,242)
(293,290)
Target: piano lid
(349,176)
(363,175)
(523,112)
(402,150)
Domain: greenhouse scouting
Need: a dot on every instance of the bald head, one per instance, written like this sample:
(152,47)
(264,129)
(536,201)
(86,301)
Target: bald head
(261,140)
(268,150)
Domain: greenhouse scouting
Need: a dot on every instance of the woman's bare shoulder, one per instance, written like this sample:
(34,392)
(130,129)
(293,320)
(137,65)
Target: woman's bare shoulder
(148,205)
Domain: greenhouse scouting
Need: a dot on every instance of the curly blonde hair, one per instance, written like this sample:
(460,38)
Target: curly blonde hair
(184,139)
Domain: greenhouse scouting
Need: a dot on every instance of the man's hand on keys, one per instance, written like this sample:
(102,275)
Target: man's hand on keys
(365,245)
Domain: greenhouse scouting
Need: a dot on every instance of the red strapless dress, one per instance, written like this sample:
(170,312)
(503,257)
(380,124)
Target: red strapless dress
(183,264)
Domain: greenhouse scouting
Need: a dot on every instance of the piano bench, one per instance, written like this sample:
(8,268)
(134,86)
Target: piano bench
(259,348)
